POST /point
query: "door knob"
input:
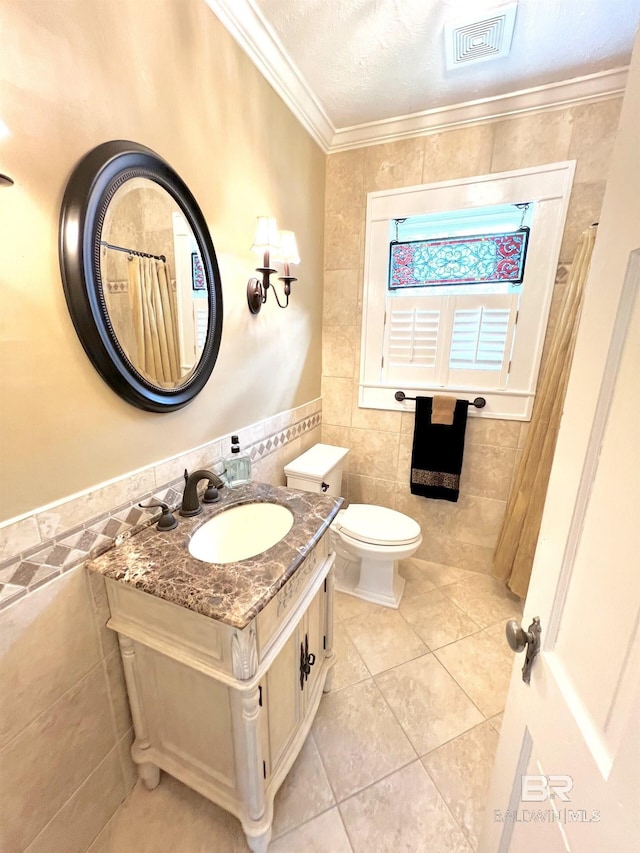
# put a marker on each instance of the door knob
(518, 638)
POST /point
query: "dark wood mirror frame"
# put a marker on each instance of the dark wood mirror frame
(91, 187)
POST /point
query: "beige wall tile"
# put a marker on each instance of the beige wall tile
(97, 586)
(403, 471)
(371, 490)
(73, 512)
(584, 210)
(427, 513)
(18, 536)
(474, 520)
(374, 454)
(459, 153)
(338, 350)
(48, 642)
(118, 694)
(532, 140)
(439, 548)
(336, 395)
(82, 817)
(52, 756)
(393, 164)
(339, 436)
(487, 471)
(592, 138)
(492, 431)
(341, 296)
(378, 420)
(127, 765)
(342, 235)
(345, 179)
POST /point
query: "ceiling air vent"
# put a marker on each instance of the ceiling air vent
(479, 39)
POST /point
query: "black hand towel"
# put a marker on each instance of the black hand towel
(436, 460)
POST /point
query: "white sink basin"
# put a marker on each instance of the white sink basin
(240, 532)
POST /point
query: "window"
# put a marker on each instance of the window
(458, 282)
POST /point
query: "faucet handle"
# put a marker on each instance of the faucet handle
(167, 520)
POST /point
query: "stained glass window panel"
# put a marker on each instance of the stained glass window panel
(459, 260)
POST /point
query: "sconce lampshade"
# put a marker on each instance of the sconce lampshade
(288, 251)
(267, 236)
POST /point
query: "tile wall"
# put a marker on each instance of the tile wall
(463, 534)
(65, 727)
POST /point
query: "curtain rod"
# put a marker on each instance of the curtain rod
(133, 251)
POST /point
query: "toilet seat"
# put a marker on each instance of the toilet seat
(377, 525)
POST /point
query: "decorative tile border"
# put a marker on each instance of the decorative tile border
(26, 572)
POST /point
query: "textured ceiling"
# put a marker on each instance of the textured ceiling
(366, 60)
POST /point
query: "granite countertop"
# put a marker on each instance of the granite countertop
(159, 563)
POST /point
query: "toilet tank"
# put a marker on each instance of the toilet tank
(318, 470)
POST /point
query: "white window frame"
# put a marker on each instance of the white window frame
(549, 187)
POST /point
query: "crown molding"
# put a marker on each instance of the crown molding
(592, 87)
(256, 37)
(248, 27)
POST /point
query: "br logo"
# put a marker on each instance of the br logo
(538, 788)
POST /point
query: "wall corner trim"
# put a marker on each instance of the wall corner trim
(248, 27)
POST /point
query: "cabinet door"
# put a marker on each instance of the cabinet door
(282, 700)
(313, 634)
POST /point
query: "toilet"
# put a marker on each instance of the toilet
(368, 540)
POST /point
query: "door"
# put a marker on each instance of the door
(313, 638)
(566, 776)
(282, 702)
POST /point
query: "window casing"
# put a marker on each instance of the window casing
(459, 340)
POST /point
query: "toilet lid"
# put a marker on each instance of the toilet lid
(377, 525)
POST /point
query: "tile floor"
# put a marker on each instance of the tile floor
(400, 754)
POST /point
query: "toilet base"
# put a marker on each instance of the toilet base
(376, 581)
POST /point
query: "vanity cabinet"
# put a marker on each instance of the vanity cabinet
(224, 709)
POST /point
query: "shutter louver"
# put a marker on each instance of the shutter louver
(481, 339)
(411, 339)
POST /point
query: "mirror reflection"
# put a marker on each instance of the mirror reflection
(153, 283)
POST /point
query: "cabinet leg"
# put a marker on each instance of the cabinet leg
(259, 843)
(150, 775)
(330, 661)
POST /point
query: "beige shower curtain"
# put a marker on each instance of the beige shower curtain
(517, 542)
(154, 313)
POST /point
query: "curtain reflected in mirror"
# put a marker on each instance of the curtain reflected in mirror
(152, 282)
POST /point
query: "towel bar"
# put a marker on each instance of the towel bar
(479, 402)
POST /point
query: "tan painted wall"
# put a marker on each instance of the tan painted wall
(166, 74)
(462, 534)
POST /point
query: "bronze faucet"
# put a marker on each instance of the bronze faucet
(190, 503)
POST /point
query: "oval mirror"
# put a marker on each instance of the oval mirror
(140, 276)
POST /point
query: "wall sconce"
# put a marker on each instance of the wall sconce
(275, 246)
(6, 181)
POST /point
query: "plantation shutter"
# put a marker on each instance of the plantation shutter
(414, 337)
(481, 338)
(462, 341)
